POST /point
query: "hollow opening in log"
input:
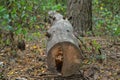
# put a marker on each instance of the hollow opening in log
(64, 57)
(59, 65)
(59, 58)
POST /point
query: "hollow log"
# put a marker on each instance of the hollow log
(63, 52)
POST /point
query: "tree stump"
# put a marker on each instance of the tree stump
(63, 52)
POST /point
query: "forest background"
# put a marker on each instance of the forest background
(26, 21)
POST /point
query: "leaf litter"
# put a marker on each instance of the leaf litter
(30, 64)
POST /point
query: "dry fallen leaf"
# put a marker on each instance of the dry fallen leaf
(86, 61)
(34, 47)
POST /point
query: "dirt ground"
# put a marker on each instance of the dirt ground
(101, 61)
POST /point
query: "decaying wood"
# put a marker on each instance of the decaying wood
(63, 53)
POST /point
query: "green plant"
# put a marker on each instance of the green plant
(106, 17)
(21, 16)
(96, 45)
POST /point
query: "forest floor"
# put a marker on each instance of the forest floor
(30, 64)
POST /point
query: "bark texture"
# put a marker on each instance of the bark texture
(79, 13)
(63, 52)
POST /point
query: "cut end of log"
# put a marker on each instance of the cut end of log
(64, 57)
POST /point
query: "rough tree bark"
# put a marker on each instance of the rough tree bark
(79, 12)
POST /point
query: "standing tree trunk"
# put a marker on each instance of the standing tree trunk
(80, 15)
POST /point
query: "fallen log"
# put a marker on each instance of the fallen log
(63, 52)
